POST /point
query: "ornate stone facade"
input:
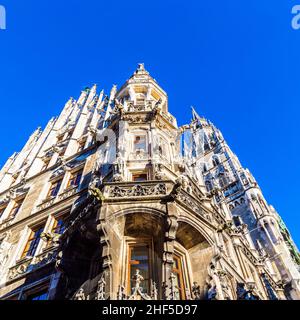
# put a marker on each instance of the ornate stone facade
(103, 204)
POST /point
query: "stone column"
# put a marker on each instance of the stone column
(170, 236)
(106, 257)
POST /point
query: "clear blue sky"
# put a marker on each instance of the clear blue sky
(236, 61)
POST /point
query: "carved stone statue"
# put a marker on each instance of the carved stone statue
(51, 238)
(80, 295)
(101, 289)
(158, 174)
(117, 177)
(176, 191)
(138, 278)
(137, 290)
(119, 168)
(5, 248)
(224, 285)
(158, 106)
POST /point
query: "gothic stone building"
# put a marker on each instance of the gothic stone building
(112, 200)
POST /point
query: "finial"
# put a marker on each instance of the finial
(141, 70)
(195, 114)
(141, 66)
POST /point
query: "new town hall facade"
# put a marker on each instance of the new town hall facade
(112, 200)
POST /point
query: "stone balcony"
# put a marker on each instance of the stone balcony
(155, 190)
(129, 190)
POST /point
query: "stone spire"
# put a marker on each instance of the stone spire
(195, 114)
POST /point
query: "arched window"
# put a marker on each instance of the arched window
(237, 221)
(215, 161)
(271, 233)
(223, 180)
(262, 203)
(208, 185)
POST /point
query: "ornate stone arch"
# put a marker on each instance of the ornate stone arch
(198, 226)
(199, 251)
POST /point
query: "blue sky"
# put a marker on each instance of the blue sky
(236, 61)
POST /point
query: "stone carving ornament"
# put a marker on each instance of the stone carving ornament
(101, 289)
(80, 295)
(158, 173)
(137, 191)
(174, 291)
(137, 291)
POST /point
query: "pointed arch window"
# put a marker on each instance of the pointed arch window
(237, 221)
(215, 161)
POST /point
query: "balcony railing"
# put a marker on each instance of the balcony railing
(137, 189)
(30, 264)
(62, 196)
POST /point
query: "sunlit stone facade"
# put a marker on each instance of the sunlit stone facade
(112, 200)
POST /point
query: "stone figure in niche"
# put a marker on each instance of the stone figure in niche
(224, 286)
(5, 248)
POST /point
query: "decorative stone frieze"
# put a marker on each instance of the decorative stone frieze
(137, 190)
(30, 264)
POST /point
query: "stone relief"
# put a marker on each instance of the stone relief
(137, 190)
